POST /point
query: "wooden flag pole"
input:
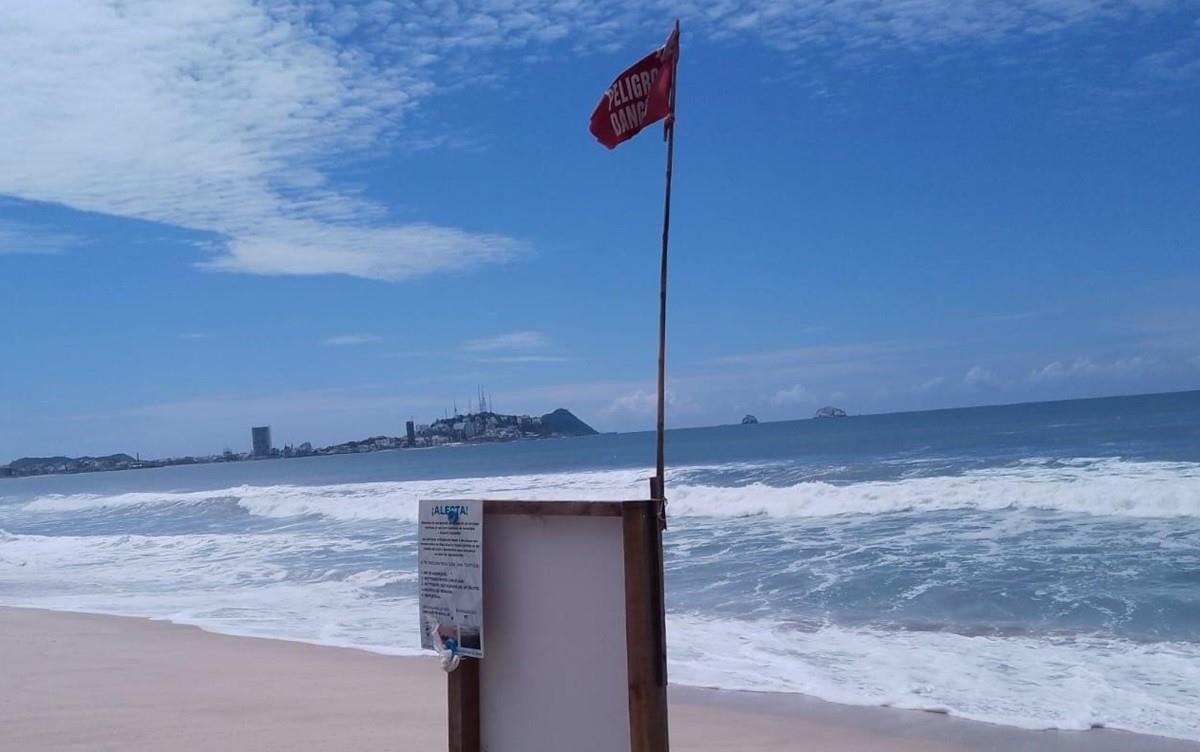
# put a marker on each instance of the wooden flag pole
(658, 482)
(659, 485)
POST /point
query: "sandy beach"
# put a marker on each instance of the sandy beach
(88, 682)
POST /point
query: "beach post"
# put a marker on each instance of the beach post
(570, 659)
(658, 485)
(640, 95)
(643, 94)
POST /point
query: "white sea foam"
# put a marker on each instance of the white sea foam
(1097, 487)
(369, 501)
(260, 585)
(1084, 486)
(146, 562)
(1074, 683)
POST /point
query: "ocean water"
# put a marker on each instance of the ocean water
(1030, 565)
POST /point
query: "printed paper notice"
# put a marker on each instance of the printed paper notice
(450, 575)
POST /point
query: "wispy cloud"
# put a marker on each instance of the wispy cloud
(1005, 318)
(933, 384)
(217, 117)
(349, 340)
(197, 335)
(856, 27)
(642, 403)
(1086, 367)
(819, 354)
(511, 348)
(499, 359)
(526, 340)
(792, 395)
(1178, 64)
(978, 376)
(318, 415)
(223, 116)
(19, 237)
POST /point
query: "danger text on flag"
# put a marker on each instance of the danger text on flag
(639, 96)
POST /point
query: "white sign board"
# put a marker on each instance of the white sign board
(450, 575)
(555, 677)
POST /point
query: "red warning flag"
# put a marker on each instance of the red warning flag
(641, 95)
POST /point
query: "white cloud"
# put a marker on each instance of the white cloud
(908, 23)
(507, 342)
(500, 359)
(1178, 64)
(643, 403)
(18, 237)
(792, 395)
(818, 355)
(349, 340)
(639, 404)
(217, 117)
(1086, 367)
(197, 335)
(511, 348)
(390, 253)
(978, 376)
(1056, 371)
(932, 384)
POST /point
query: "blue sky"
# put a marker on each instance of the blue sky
(329, 217)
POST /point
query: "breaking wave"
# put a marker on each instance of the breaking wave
(1101, 487)
(1070, 682)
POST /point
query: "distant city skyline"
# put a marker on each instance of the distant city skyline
(411, 437)
(332, 218)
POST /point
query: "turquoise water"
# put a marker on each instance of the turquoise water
(1033, 565)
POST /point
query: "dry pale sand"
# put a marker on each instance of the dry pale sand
(85, 682)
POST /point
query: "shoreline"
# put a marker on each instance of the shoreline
(78, 680)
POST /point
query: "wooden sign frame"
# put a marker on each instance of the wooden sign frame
(644, 626)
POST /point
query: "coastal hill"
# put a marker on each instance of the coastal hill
(481, 427)
(562, 422)
(491, 426)
(43, 465)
